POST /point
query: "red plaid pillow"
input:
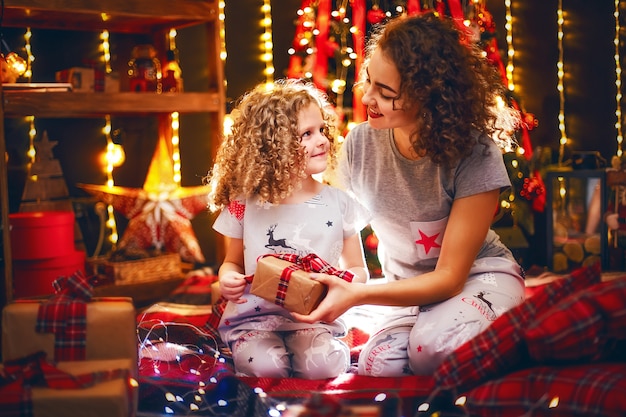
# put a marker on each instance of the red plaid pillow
(585, 325)
(583, 390)
(499, 349)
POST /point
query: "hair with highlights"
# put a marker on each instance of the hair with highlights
(443, 76)
(262, 155)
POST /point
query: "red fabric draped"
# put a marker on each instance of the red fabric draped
(358, 37)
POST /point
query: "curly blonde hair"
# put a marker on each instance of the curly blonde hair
(262, 156)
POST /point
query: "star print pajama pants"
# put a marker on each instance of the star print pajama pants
(415, 340)
(306, 353)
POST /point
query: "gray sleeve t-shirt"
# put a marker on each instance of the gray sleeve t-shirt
(410, 200)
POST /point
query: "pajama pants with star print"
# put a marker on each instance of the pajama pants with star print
(415, 340)
(312, 353)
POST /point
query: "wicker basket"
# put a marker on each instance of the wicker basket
(142, 270)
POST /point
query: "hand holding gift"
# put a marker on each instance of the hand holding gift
(285, 280)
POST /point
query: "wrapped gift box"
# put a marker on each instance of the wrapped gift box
(111, 330)
(301, 295)
(112, 398)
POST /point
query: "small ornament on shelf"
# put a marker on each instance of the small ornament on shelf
(172, 74)
(144, 69)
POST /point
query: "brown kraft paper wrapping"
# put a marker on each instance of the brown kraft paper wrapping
(111, 330)
(303, 293)
(106, 399)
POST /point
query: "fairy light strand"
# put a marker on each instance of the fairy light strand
(113, 153)
(28, 74)
(618, 82)
(267, 45)
(175, 123)
(560, 88)
(110, 158)
(106, 51)
(510, 67)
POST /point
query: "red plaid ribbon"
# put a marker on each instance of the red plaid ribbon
(65, 315)
(308, 263)
(20, 375)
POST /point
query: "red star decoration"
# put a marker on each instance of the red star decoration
(159, 214)
(428, 241)
(419, 349)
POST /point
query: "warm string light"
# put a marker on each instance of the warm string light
(560, 88)
(32, 133)
(509, 42)
(267, 45)
(227, 123)
(175, 123)
(618, 83)
(114, 156)
(106, 50)
(28, 74)
(30, 58)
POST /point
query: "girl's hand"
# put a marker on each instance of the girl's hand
(340, 297)
(232, 286)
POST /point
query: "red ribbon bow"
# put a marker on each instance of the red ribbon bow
(65, 315)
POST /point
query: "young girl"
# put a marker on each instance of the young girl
(263, 183)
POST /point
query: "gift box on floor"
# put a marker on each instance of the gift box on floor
(113, 394)
(285, 283)
(111, 331)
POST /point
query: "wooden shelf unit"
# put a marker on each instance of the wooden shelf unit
(148, 17)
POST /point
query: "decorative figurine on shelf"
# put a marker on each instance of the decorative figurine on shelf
(172, 74)
(144, 69)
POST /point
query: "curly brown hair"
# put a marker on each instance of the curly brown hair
(262, 156)
(446, 78)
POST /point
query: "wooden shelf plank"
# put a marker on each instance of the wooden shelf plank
(113, 15)
(77, 105)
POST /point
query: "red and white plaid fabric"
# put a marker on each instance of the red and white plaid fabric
(500, 348)
(552, 391)
(65, 315)
(586, 325)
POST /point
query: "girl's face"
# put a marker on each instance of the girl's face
(380, 94)
(311, 134)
